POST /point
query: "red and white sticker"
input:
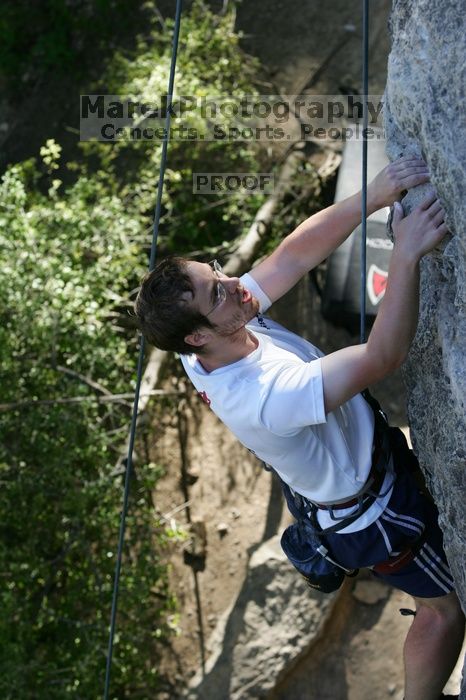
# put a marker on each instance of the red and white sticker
(376, 284)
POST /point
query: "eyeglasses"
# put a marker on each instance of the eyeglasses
(220, 291)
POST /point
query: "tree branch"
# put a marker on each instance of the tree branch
(86, 380)
(108, 398)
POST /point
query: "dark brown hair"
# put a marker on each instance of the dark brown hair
(164, 318)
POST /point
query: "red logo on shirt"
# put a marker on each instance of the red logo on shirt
(204, 397)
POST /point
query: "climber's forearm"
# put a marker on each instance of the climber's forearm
(396, 322)
(348, 371)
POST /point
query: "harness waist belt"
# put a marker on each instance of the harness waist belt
(374, 483)
(380, 459)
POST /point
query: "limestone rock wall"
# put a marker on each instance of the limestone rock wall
(426, 114)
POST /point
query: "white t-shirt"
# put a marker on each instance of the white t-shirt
(272, 400)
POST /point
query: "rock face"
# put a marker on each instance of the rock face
(424, 114)
(275, 618)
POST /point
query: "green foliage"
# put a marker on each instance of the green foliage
(65, 260)
(210, 63)
(58, 35)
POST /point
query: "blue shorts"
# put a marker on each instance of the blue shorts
(408, 514)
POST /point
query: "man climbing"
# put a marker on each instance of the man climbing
(303, 414)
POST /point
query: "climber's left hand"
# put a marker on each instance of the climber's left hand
(388, 186)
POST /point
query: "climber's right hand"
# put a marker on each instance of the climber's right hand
(421, 231)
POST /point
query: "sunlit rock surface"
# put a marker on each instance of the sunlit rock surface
(425, 115)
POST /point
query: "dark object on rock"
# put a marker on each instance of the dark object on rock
(195, 551)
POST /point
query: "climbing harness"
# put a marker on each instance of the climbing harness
(382, 464)
(304, 542)
(158, 208)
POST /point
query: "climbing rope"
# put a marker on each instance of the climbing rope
(365, 90)
(129, 459)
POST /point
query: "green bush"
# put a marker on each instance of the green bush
(65, 260)
(64, 37)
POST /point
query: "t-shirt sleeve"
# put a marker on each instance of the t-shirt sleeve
(257, 291)
(294, 398)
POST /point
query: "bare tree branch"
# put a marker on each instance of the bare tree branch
(107, 398)
(86, 380)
